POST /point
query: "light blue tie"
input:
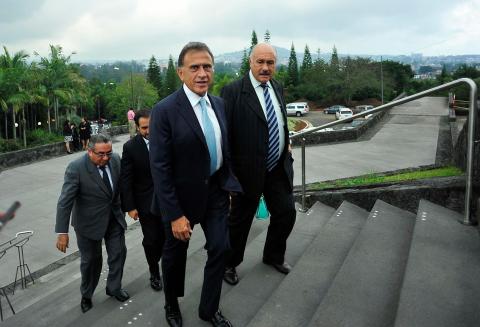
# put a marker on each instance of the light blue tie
(209, 136)
(273, 133)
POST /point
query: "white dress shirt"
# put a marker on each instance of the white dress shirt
(195, 102)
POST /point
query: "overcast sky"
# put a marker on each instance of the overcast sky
(136, 29)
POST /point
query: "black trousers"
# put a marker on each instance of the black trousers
(153, 240)
(214, 225)
(281, 205)
(91, 259)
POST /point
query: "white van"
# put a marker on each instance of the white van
(297, 109)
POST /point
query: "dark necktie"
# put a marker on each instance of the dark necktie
(105, 179)
(273, 133)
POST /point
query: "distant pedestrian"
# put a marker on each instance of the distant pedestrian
(75, 137)
(132, 129)
(85, 132)
(67, 136)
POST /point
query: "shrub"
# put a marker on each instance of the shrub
(9, 145)
(41, 136)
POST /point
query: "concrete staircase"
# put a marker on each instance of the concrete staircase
(386, 267)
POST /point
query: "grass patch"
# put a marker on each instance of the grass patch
(292, 122)
(380, 179)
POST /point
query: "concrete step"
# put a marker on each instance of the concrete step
(146, 306)
(54, 299)
(257, 280)
(441, 287)
(365, 291)
(294, 302)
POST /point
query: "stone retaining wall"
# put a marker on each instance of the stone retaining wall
(445, 191)
(20, 157)
(341, 135)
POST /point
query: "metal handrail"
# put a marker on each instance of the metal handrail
(470, 139)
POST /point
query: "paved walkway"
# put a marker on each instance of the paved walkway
(407, 140)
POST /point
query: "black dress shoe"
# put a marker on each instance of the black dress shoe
(173, 316)
(284, 267)
(156, 283)
(86, 304)
(121, 295)
(218, 320)
(230, 276)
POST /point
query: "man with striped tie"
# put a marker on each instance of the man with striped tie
(261, 159)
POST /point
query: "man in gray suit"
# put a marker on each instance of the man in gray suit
(90, 194)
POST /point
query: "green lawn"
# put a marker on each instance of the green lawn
(379, 178)
(291, 123)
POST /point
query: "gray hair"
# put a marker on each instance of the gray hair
(99, 138)
(193, 46)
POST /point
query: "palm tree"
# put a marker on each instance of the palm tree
(56, 79)
(14, 69)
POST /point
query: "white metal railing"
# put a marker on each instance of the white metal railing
(470, 138)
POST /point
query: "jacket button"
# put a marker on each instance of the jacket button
(206, 181)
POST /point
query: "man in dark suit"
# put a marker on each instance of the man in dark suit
(136, 186)
(192, 179)
(261, 160)
(90, 194)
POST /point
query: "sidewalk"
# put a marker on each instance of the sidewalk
(409, 139)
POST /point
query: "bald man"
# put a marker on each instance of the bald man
(261, 159)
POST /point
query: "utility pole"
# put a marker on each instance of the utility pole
(381, 75)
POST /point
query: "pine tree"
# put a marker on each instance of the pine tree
(171, 78)
(307, 62)
(266, 37)
(254, 41)
(245, 67)
(292, 70)
(334, 62)
(153, 75)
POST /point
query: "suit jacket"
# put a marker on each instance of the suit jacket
(85, 197)
(136, 184)
(180, 161)
(248, 133)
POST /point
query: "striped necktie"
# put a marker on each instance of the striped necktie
(273, 133)
(209, 133)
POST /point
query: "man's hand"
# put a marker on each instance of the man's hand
(181, 228)
(62, 242)
(133, 214)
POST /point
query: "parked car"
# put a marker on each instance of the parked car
(344, 113)
(297, 109)
(362, 108)
(333, 109)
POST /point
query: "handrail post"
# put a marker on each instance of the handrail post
(304, 207)
(472, 117)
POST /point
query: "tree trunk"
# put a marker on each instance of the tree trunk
(24, 123)
(49, 120)
(6, 124)
(13, 125)
(55, 112)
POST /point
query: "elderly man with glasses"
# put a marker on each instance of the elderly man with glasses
(90, 194)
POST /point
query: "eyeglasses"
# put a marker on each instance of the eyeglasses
(103, 154)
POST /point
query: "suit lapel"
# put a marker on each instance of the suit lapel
(252, 99)
(280, 100)
(185, 109)
(221, 121)
(114, 170)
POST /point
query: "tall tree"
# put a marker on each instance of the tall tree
(245, 66)
(292, 70)
(153, 75)
(171, 78)
(334, 61)
(254, 41)
(267, 36)
(307, 62)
